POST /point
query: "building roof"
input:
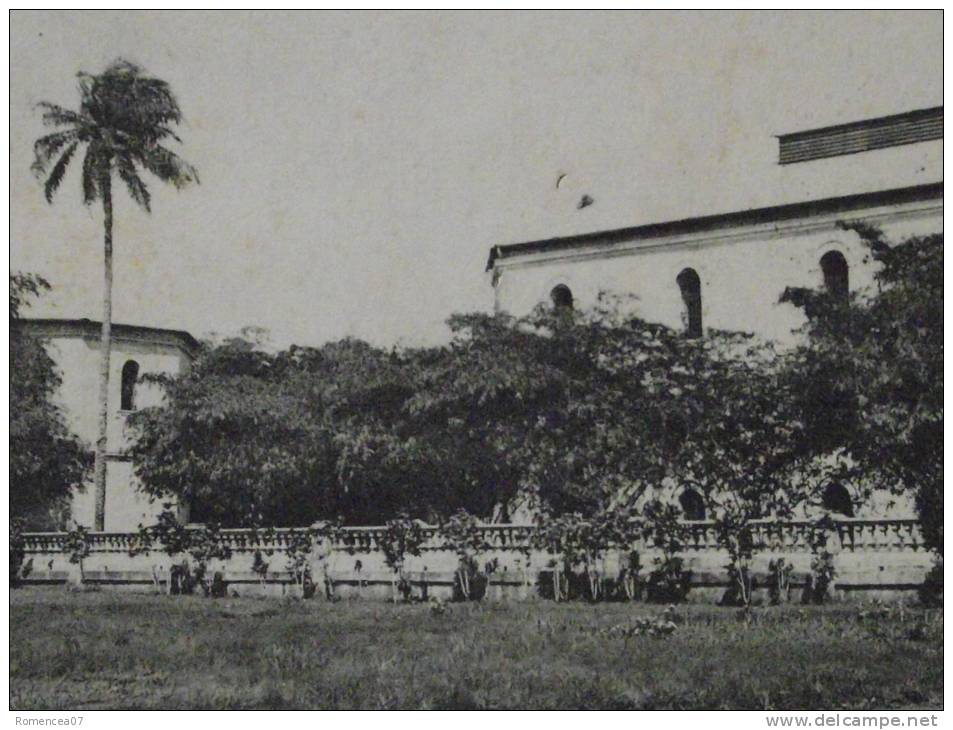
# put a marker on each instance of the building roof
(90, 330)
(702, 224)
(920, 125)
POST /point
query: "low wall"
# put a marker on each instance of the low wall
(872, 559)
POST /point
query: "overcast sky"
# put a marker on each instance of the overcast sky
(356, 168)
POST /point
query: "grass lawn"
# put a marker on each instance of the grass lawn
(101, 650)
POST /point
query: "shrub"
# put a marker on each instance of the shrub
(563, 538)
(734, 533)
(205, 545)
(298, 553)
(462, 534)
(259, 566)
(17, 551)
(76, 546)
(779, 589)
(817, 590)
(669, 581)
(401, 537)
(930, 592)
(629, 578)
(197, 546)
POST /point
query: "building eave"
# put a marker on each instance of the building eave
(88, 329)
(710, 223)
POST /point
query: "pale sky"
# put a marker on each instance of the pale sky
(356, 168)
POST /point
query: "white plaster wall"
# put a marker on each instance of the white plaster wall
(78, 361)
(742, 277)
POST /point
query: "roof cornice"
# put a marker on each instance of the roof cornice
(715, 226)
(88, 329)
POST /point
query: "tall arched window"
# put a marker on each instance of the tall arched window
(691, 288)
(693, 505)
(834, 266)
(837, 499)
(130, 374)
(561, 296)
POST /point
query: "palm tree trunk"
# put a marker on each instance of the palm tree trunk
(105, 344)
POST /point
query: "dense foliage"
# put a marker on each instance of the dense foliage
(870, 376)
(46, 459)
(581, 416)
(583, 413)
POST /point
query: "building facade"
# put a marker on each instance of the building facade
(728, 271)
(136, 351)
(722, 271)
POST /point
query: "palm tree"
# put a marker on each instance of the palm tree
(122, 118)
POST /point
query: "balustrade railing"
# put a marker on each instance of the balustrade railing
(851, 535)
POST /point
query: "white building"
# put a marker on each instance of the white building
(136, 351)
(728, 270)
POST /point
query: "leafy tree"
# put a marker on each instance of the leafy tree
(461, 533)
(46, 460)
(569, 413)
(238, 441)
(123, 117)
(553, 406)
(870, 375)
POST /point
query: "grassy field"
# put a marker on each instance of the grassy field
(108, 650)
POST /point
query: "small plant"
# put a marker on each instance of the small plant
(141, 542)
(462, 534)
(669, 581)
(197, 548)
(630, 577)
(17, 552)
(734, 533)
(930, 592)
(780, 586)
(402, 537)
(549, 536)
(298, 552)
(259, 567)
(587, 542)
(660, 626)
(76, 545)
(822, 575)
(438, 607)
(204, 546)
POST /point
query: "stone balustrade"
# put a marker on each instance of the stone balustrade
(853, 535)
(872, 557)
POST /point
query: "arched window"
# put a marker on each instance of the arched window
(561, 296)
(130, 374)
(837, 499)
(693, 506)
(834, 266)
(691, 288)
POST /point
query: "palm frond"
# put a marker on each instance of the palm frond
(163, 132)
(137, 188)
(122, 98)
(57, 116)
(167, 166)
(56, 174)
(45, 148)
(123, 116)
